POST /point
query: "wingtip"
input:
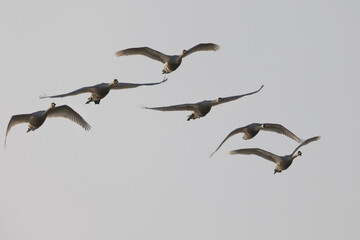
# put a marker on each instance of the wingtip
(118, 53)
(5, 141)
(43, 96)
(316, 138)
(165, 79)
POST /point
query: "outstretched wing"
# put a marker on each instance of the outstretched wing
(236, 131)
(202, 47)
(256, 151)
(307, 141)
(16, 119)
(181, 107)
(134, 85)
(228, 99)
(281, 130)
(67, 112)
(76, 92)
(146, 51)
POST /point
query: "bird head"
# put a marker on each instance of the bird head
(52, 105)
(219, 100)
(299, 153)
(183, 53)
(115, 81)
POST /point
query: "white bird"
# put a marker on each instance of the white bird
(200, 109)
(281, 162)
(99, 91)
(36, 119)
(171, 62)
(253, 129)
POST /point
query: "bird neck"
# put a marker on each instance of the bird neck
(48, 110)
(178, 60)
(180, 57)
(294, 156)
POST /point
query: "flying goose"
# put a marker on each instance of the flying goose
(171, 62)
(36, 119)
(281, 162)
(99, 91)
(253, 129)
(200, 109)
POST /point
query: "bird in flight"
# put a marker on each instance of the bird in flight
(200, 109)
(99, 91)
(281, 162)
(171, 62)
(253, 129)
(36, 119)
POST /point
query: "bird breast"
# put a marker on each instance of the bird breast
(285, 163)
(36, 121)
(250, 133)
(171, 66)
(100, 93)
(203, 109)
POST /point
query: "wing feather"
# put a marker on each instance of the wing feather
(180, 107)
(307, 141)
(16, 119)
(202, 47)
(145, 51)
(281, 130)
(134, 85)
(256, 151)
(67, 112)
(236, 131)
(76, 92)
(232, 98)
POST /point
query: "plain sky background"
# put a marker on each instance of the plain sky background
(142, 174)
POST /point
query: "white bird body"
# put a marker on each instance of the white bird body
(253, 129)
(281, 162)
(36, 119)
(99, 91)
(200, 109)
(171, 62)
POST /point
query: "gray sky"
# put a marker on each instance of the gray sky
(142, 174)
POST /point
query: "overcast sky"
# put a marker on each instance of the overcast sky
(143, 174)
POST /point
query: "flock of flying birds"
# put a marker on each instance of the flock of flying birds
(199, 109)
